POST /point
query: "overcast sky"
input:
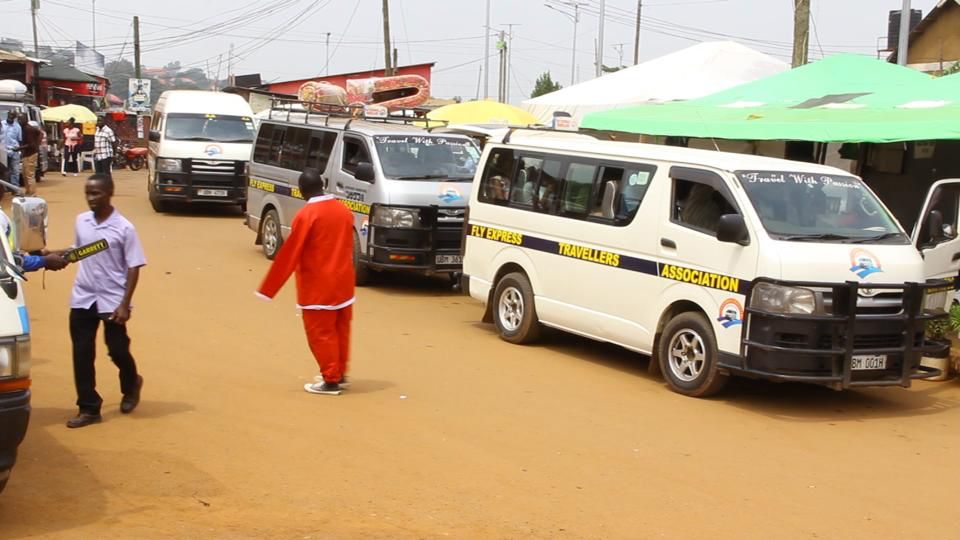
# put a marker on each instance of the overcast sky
(287, 38)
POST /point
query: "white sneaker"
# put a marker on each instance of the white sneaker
(323, 388)
(344, 382)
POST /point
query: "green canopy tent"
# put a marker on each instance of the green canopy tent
(827, 101)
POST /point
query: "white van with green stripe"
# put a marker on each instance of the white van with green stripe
(715, 264)
(407, 188)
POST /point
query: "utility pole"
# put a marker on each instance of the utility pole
(502, 46)
(34, 7)
(136, 46)
(573, 49)
(801, 31)
(509, 57)
(903, 43)
(636, 36)
(619, 48)
(94, 12)
(486, 55)
(386, 38)
(603, 15)
(326, 68)
(230, 67)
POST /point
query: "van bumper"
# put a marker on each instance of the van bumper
(431, 248)
(14, 417)
(836, 349)
(197, 188)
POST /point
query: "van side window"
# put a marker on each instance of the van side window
(354, 153)
(294, 154)
(577, 187)
(261, 151)
(548, 190)
(699, 206)
(526, 180)
(495, 183)
(321, 146)
(627, 184)
(276, 146)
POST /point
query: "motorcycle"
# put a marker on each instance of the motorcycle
(131, 156)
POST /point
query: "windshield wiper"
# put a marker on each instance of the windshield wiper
(884, 236)
(236, 140)
(192, 139)
(823, 236)
(422, 177)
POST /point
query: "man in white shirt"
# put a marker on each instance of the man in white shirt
(103, 143)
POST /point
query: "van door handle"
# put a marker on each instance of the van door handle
(340, 185)
(956, 256)
(667, 243)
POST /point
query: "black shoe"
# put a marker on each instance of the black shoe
(130, 401)
(83, 419)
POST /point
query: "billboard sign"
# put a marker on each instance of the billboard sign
(139, 92)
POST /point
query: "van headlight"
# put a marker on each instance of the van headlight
(781, 299)
(385, 216)
(15, 358)
(168, 165)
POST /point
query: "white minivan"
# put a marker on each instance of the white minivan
(713, 263)
(199, 149)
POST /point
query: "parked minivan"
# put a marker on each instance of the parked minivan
(199, 148)
(407, 188)
(715, 264)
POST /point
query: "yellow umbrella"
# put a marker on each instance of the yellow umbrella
(483, 112)
(79, 113)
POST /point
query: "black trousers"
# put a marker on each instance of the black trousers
(83, 332)
(104, 166)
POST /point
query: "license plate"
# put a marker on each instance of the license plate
(863, 362)
(212, 192)
(449, 259)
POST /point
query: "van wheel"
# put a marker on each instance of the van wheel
(514, 311)
(270, 236)
(688, 356)
(360, 268)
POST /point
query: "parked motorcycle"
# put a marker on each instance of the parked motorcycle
(134, 157)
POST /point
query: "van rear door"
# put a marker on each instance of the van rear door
(935, 234)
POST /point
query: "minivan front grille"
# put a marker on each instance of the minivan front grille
(203, 166)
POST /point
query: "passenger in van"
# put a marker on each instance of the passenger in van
(320, 251)
(499, 188)
(700, 208)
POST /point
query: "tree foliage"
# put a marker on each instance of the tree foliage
(544, 85)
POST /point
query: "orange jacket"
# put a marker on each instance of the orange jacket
(320, 250)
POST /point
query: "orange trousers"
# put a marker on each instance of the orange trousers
(328, 333)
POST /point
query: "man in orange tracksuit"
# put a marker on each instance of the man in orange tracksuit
(320, 250)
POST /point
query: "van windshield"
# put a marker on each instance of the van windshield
(425, 157)
(210, 127)
(819, 207)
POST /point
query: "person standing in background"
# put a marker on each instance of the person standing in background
(11, 136)
(103, 144)
(29, 153)
(71, 148)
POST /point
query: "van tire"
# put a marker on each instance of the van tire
(514, 310)
(271, 236)
(688, 356)
(360, 268)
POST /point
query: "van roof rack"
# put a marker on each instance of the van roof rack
(326, 111)
(17, 96)
(547, 129)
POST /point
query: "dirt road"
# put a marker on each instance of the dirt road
(447, 431)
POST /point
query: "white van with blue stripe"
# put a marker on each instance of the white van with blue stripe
(715, 264)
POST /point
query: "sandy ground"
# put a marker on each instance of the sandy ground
(447, 432)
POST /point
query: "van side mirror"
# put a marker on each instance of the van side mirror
(365, 172)
(733, 229)
(154, 135)
(935, 226)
